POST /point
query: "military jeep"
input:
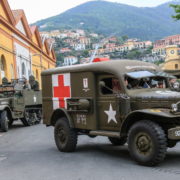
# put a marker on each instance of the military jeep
(125, 100)
(18, 102)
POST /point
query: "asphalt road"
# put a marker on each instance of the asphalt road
(29, 153)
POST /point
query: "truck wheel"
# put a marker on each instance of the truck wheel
(147, 143)
(65, 137)
(10, 122)
(4, 121)
(117, 141)
(39, 116)
(26, 120)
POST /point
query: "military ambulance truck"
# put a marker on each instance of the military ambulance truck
(124, 100)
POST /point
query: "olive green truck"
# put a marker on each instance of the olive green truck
(127, 101)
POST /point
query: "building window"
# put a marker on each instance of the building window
(29, 73)
(23, 69)
(176, 66)
(18, 72)
(3, 66)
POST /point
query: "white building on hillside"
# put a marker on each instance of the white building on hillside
(70, 60)
(79, 47)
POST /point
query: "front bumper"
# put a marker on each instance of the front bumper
(174, 133)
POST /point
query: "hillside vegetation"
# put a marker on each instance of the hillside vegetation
(118, 19)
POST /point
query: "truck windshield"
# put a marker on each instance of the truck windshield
(140, 74)
(146, 79)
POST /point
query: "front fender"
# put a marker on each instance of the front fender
(157, 112)
(3, 107)
(60, 112)
(7, 108)
(157, 115)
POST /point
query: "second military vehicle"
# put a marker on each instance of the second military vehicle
(127, 101)
(18, 101)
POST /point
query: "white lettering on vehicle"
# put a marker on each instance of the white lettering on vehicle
(177, 133)
(81, 119)
(85, 85)
(35, 99)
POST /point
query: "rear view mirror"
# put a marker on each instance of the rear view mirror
(102, 84)
(176, 85)
(18, 93)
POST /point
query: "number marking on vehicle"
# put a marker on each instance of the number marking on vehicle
(81, 119)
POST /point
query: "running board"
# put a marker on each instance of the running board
(105, 133)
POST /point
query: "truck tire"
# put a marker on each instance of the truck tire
(65, 137)
(10, 122)
(39, 117)
(4, 121)
(26, 120)
(147, 143)
(117, 141)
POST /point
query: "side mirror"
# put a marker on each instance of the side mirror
(176, 85)
(102, 84)
(18, 93)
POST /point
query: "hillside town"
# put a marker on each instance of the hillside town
(69, 42)
(77, 47)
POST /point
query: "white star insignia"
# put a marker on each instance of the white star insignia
(111, 114)
(35, 99)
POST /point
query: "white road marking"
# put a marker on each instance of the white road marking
(2, 157)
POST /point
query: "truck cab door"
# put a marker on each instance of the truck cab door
(108, 103)
(18, 102)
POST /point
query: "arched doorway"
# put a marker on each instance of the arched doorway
(176, 66)
(3, 67)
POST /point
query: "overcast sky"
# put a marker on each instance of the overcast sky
(40, 9)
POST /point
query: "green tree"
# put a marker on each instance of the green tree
(134, 54)
(60, 59)
(177, 11)
(159, 62)
(85, 53)
(119, 40)
(125, 37)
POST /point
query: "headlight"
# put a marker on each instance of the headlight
(3, 102)
(176, 85)
(174, 107)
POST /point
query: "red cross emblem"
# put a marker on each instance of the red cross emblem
(61, 89)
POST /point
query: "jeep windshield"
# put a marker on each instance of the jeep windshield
(146, 79)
